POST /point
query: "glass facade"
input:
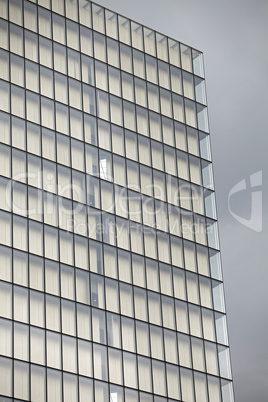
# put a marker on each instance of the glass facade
(110, 276)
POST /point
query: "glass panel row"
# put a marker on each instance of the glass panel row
(96, 73)
(113, 330)
(87, 222)
(164, 381)
(70, 183)
(67, 353)
(187, 286)
(50, 25)
(170, 281)
(119, 263)
(81, 126)
(40, 109)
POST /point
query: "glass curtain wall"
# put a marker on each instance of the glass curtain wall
(110, 276)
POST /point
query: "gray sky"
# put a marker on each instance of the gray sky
(233, 36)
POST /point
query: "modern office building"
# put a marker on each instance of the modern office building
(110, 279)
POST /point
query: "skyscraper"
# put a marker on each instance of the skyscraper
(110, 276)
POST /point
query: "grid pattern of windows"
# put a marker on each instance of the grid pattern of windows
(110, 277)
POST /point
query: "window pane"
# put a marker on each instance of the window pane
(38, 383)
(130, 370)
(54, 385)
(21, 380)
(100, 362)
(111, 24)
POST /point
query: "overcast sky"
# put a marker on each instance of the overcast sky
(233, 36)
